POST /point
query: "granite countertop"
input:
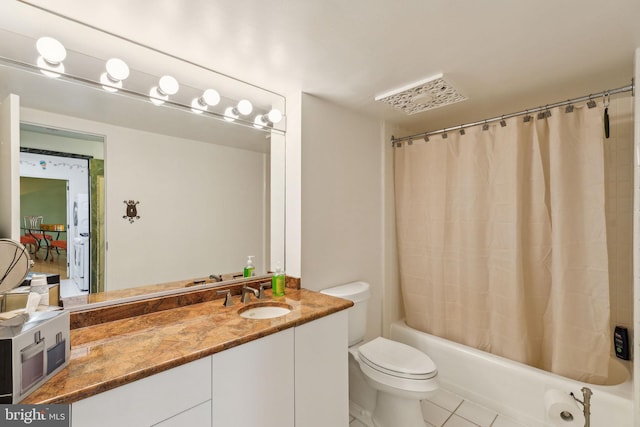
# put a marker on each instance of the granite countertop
(110, 354)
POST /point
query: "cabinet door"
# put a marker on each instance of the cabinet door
(321, 372)
(148, 401)
(253, 383)
(199, 416)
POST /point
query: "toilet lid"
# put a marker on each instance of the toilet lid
(397, 359)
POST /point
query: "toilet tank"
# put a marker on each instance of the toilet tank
(359, 293)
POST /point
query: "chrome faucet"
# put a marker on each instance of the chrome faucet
(228, 302)
(263, 286)
(216, 277)
(246, 296)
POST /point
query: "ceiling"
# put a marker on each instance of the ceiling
(503, 55)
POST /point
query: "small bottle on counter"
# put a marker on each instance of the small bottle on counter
(40, 286)
(277, 282)
(249, 269)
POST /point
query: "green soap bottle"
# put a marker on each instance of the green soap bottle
(249, 269)
(277, 282)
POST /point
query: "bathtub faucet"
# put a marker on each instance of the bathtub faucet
(586, 404)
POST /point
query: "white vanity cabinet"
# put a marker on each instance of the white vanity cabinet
(253, 383)
(294, 378)
(297, 377)
(321, 372)
(174, 394)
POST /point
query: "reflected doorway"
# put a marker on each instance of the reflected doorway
(56, 154)
(46, 198)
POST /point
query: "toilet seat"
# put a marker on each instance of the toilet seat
(397, 359)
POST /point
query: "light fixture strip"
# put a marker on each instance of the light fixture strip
(127, 91)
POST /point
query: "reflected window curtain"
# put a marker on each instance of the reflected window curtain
(502, 240)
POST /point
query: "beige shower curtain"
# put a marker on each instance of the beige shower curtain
(502, 240)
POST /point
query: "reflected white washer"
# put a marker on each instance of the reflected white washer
(80, 266)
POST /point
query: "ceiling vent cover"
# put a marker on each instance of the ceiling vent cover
(427, 94)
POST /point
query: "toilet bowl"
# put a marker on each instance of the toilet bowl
(402, 377)
(387, 379)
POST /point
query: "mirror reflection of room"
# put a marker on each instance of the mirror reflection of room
(183, 168)
(60, 205)
(43, 209)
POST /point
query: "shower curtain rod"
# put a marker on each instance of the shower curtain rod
(606, 93)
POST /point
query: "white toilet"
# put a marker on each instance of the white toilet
(387, 379)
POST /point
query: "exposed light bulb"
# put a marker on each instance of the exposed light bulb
(274, 116)
(259, 122)
(52, 53)
(244, 107)
(51, 50)
(269, 119)
(229, 114)
(108, 84)
(49, 70)
(209, 98)
(117, 71)
(156, 97)
(166, 86)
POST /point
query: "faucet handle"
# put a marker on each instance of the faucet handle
(246, 296)
(228, 302)
(263, 286)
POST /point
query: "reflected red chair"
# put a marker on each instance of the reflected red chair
(32, 225)
(57, 245)
(30, 241)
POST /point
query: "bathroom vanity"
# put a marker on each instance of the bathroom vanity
(203, 364)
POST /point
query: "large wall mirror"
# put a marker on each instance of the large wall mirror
(208, 193)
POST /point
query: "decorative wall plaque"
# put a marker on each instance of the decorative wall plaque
(131, 211)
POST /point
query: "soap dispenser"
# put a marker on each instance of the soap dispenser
(277, 282)
(249, 269)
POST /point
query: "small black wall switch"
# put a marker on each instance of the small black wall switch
(621, 342)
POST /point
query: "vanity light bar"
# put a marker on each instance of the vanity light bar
(50, 63)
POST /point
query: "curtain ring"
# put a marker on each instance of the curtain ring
(606, 99)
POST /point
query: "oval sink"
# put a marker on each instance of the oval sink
(264, 311)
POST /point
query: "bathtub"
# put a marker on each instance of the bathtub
(514, 389)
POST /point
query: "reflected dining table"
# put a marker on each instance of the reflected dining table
(39, 234)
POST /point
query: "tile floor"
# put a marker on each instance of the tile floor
(68, 288)
(56, 264)
(447, 409)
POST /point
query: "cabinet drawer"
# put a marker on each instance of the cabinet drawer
(148, 401)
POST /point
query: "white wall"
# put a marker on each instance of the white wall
(193, 222)
(636, 244)
(618, 172)
(342, 201)
(52, 142)
(293, 188)
(9, 167)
